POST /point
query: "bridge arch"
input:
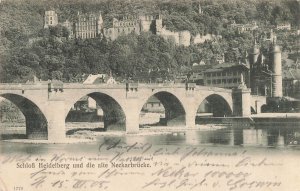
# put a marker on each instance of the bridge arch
(114, 117)
(215, 104)
(36, 122)
(173, 105)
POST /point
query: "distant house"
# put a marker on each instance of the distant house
(153, 105)
(226, 75)
(95, 79)
(283, 26)
(244, 27)
(99, 79)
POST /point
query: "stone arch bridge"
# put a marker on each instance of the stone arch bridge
(46, 106)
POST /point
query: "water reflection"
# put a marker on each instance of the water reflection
(251, 136)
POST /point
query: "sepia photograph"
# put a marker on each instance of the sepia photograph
(148, 95)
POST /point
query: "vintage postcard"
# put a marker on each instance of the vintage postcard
(146, 95)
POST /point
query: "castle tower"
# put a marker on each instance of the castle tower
(253, 58)
(276, 70)
(51, 19)
(99, 24)
(158, 25)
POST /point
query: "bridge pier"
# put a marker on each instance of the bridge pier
(132, 116)
(190, 115)
(56, 120)
(241, 101)
(190, 120)
(258, 105)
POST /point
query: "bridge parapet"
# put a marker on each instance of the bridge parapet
(93, 86)
(10, 86)
(215, 89)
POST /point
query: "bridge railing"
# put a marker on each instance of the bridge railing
(18, 86)
(44, 85)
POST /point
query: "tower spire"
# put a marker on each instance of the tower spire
(199, 8)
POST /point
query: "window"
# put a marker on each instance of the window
(230, 81)
(234, 80)
(208, 82)
(213, 74)
(219, 74)
(224, 81)
(214, 81)
(223, 73)
(219, 81)
(51, 18)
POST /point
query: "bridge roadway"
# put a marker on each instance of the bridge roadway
(46, 105)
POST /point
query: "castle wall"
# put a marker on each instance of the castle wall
(184, 38)
(199, 39)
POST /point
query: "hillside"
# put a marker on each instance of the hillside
(49, 57)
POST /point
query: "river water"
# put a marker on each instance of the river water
(234, 157)
(229, 136)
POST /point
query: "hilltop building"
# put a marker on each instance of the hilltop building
(284, 26)
(51, 19)
(88, 26)
(244, 27)
(85, 25)
(128, 24)
(69, 26)
(145, 23)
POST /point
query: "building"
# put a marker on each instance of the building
(137, 24)
(266, 71)
(123, 27)
(99, 79)
(153, 105)
(145, 23)
(85, 25)
(88, 26)
(244, 27)
(226, 75)
(291, 83)
(284, 26)
(179, 38)
(199, 39)
(69, 26)
(51, 19)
